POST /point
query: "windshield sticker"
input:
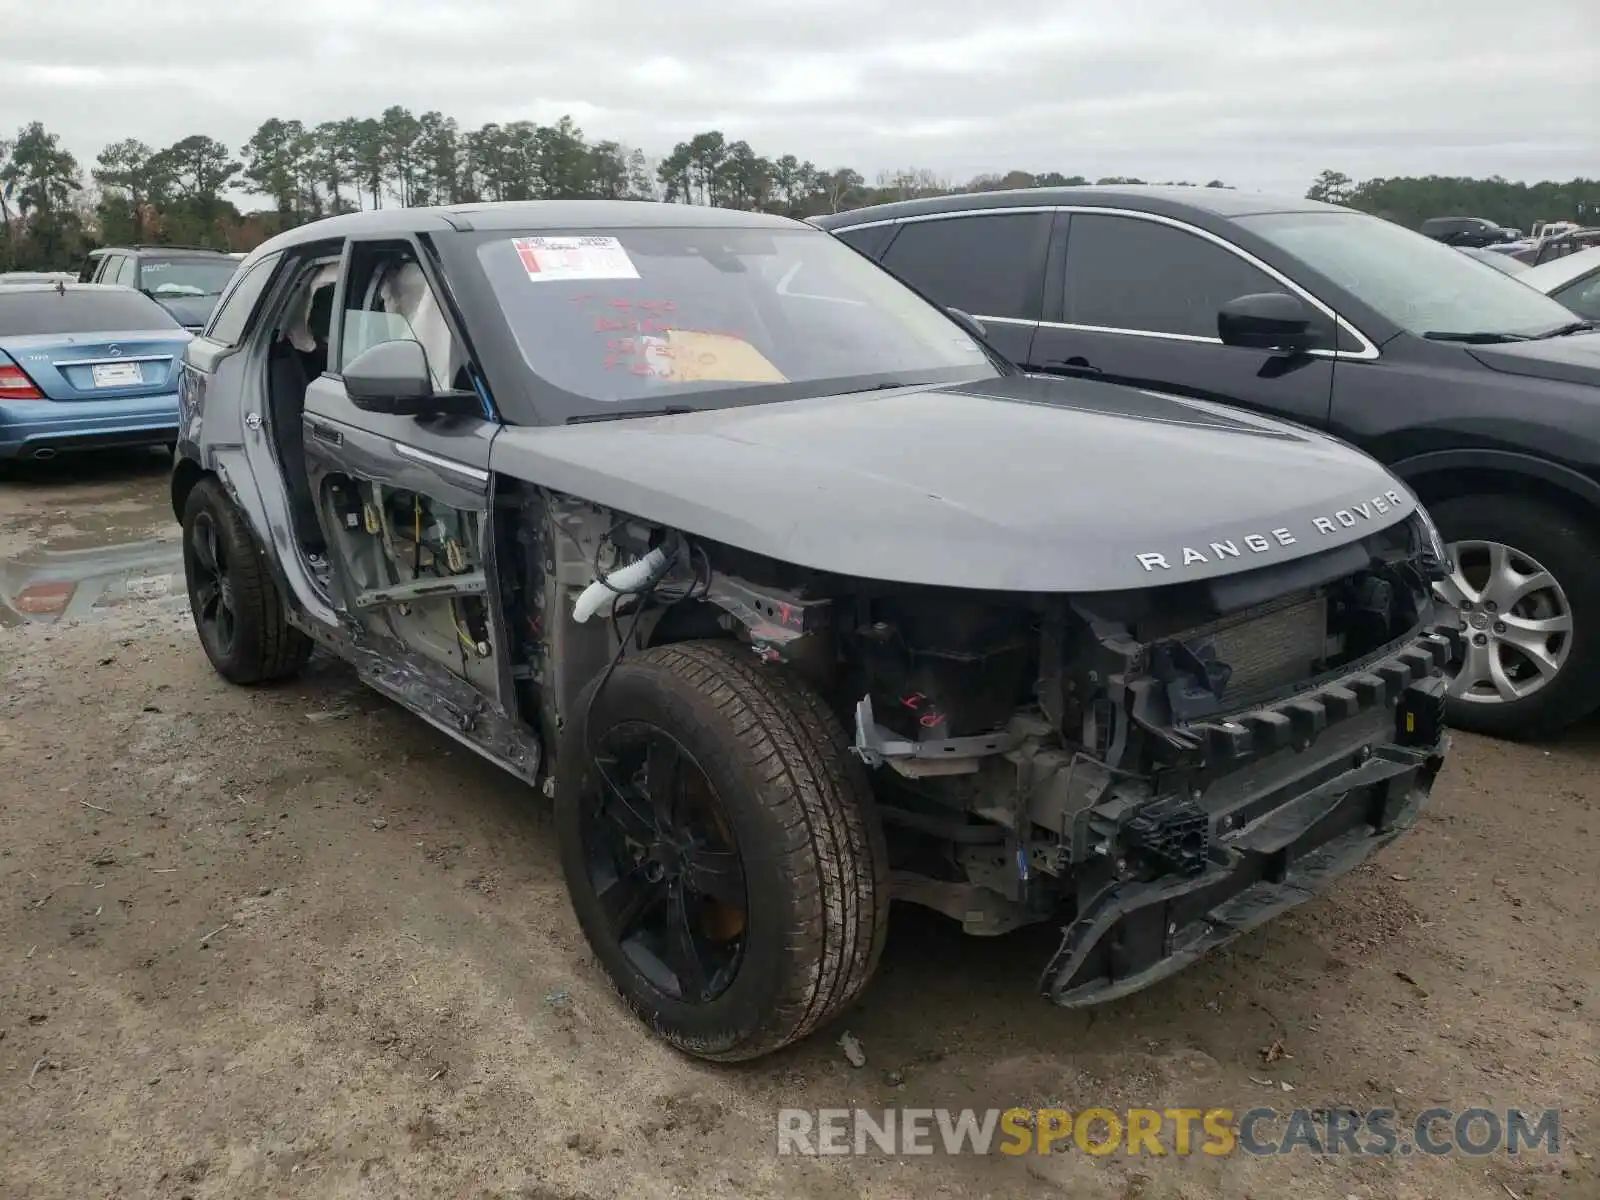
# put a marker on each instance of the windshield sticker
(691, 356)
(562, 259)
(717, 358)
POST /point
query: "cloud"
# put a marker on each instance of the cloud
(1255, 92)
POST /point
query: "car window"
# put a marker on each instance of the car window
(868, 239)
(228, 322)
(1421, 285)
(646, 318)
(127, 272)
(388, 298)
(1582, 296)
(988, 266)
(106, 271)
(80, 310)
(1134, 274)
(173, 277)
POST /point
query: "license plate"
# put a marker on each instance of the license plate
(108, 375)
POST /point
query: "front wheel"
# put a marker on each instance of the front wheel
(1527, 586)
(238, 610)
(721, 849)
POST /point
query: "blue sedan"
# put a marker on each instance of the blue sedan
(84, 366)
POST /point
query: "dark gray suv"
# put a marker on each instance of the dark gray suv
(1465, 231)
(797, 599)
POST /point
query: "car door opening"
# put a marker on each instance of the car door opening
(298, 354)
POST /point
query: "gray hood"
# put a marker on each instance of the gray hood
(1019, 484)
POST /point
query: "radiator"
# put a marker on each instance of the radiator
(1270, 647)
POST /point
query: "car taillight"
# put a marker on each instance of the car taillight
(15, 385)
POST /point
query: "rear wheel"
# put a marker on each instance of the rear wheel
(238, 610)
(721, 850)
(1527, 585)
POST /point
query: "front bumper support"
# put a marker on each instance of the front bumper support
(1136, 932)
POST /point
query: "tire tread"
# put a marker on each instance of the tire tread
(279, 650)
(832, 845)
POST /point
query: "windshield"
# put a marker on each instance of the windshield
(1421, 285)
(647, 319)
(186, 276)
(102, 310)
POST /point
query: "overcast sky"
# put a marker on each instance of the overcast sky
(1260, 93)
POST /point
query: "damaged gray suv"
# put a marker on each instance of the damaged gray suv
(797, 599)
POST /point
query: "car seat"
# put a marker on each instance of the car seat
(404, 290)
(299, 355)
(319, 321)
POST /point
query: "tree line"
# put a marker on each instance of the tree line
(52, 210)
(1410, 200)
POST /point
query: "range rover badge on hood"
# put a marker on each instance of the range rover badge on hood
(1239, 546)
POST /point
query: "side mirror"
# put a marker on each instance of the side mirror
(392, 377)
(1266, 321)
(969, 322)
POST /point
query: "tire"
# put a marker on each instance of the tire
(801, 818)
(1568, 548)
(257, 644)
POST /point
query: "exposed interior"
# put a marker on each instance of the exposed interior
(409, 563)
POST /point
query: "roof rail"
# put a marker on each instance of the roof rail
(167, 246)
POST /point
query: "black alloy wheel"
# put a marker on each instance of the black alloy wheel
(210, 586)
(238, 610)
(721, 847)
(663, 865)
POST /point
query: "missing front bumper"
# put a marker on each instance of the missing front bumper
(1135, 933)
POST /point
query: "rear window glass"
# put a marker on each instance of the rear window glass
(186, 276)
(644, 317)
(23, 313)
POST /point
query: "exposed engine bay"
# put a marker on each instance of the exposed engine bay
(1035, 758)
(1157, 769)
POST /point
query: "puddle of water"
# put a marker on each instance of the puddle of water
(85, 535)
(45, 584)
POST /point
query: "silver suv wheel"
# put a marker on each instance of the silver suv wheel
(1515, 620)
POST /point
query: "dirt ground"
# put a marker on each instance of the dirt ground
(293, 942)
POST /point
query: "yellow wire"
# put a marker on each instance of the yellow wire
(416, 509)
(461, 633)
